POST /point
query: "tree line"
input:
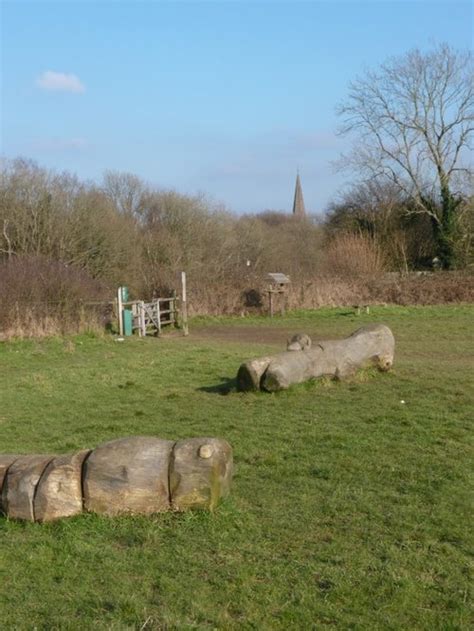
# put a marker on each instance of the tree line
(410, 205)
(123, 231)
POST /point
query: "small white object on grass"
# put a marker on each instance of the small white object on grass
(402, 401)
(119, 339)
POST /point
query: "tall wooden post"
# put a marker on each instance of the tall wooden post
(184, 305)
(142, 318)
(158, 315)
(120, 311)
(174, 306)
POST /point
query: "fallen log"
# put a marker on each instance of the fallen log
(370, 345)
(134, 475)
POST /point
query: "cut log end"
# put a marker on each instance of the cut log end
(249, 375)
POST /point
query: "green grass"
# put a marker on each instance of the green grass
(349, 509)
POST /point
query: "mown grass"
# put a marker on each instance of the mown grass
(349, 509)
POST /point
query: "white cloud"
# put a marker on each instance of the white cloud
(60, 82)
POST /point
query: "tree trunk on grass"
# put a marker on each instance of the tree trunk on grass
(134, 475)
(370, 345)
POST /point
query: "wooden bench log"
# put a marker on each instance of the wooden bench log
(134, 475)
(370, 345)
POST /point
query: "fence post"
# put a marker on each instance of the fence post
(184, 305)
(142, 318)
(120, 309)
(174, 306)
(158, 315)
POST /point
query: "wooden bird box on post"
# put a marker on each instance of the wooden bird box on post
(278, 285)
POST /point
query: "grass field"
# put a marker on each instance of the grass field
(349, 509)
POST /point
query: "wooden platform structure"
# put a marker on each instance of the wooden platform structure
(278, 285)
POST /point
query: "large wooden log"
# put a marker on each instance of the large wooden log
(370, 345)
(59, 490)
(129, 475)
(139, 474)
(200, 473)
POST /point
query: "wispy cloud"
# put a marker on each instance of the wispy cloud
(60, 82)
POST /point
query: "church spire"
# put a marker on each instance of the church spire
(298, 203)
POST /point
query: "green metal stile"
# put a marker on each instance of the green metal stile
(127, 321)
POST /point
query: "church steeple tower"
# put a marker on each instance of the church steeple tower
(298, 203)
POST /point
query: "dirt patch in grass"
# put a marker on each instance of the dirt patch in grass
(247, 334)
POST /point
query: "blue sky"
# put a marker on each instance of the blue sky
(226, 98)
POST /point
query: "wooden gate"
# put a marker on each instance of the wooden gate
(150, 317)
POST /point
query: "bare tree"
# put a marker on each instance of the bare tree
(414, 118)
(125, 190)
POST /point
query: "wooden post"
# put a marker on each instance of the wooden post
(142, 318)
(270, 296)
(184, 305)
(120, 309)
(174, 304)
(158, 315)
(135, 317)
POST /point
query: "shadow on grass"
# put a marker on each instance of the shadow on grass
(228, 385)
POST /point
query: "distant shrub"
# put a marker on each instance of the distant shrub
(39, 297)
(351, 255)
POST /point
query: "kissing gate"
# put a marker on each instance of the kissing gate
(151, 317)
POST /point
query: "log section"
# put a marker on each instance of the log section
(370, 345)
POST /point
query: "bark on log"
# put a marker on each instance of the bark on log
(59, 491)
(200, 473)
(129, 475)
(369, 345)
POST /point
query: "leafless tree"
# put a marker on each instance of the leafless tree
(414, 121)
(125, 190)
